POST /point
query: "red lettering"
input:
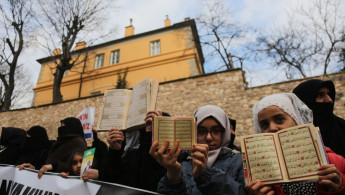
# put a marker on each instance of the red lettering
(86, 126)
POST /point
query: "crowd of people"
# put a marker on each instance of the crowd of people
(213, 166)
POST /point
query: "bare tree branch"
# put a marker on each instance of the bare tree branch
(310, 39)
(218, 31)
(67, 20)
(15, 17)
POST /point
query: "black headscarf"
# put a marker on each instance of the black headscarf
(71, 126)
(13, 139)
(39, 135)
(12, 136)
(233, 123)
(36, 147)
(332, 127)
(233, 136)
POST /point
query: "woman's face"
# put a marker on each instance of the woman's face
(273, 119)
(210, 132)
(76, 164)
(324, 96)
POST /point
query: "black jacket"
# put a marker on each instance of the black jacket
(12, 139)
(100, 152)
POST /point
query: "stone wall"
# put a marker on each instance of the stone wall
(179, 98)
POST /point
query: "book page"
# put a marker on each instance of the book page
(185, 132)
(262, 161)
(175, 128)
(153, 95)
(114, 109)
(321, 147)
(138, 107)
(300, 154)
(163, 129)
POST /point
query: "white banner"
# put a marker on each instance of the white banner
(25, 182)
(87, 119)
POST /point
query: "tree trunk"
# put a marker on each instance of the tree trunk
(8, 99)
(57, 97)
(9, 87)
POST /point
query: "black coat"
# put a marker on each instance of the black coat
(36, 147)
(135, 168)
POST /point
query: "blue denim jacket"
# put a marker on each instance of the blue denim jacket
(224, 177)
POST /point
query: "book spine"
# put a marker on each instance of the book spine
(174, 131)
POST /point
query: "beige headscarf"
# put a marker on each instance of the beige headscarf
(219, 114)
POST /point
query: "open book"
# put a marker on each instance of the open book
(289, 155)
(175, 128)
(126, 109)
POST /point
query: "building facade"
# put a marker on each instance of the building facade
(164, 54)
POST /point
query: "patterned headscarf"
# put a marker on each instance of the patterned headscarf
(289, 103)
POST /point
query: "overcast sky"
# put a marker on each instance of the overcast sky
(149, 15)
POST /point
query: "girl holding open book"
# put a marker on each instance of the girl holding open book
(280, 111)
(213, 169)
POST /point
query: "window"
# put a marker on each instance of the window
(155, 47)
(115, 57)
(65, 73)
(99, 61)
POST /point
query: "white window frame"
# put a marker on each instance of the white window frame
(155, 47)
(114, 57)
(99, 60)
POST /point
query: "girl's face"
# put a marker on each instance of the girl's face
(76, 164)
(273, 119)
(210, 132)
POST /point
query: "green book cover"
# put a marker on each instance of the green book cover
(87, 160)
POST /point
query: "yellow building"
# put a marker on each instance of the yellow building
(164, 54)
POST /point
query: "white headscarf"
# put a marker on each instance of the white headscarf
(219, 114)
(289, 103)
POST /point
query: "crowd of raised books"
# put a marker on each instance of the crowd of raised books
(298, 148)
